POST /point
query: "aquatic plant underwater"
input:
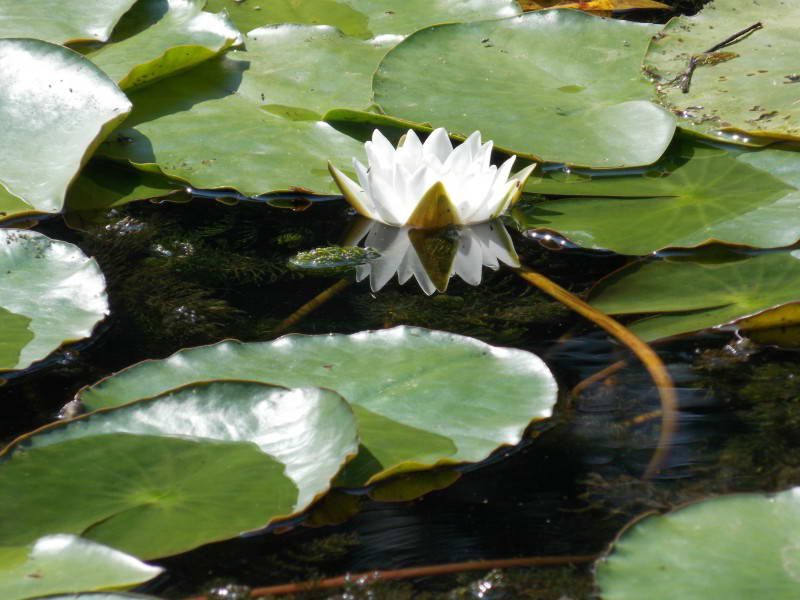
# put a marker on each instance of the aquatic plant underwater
(219, 376)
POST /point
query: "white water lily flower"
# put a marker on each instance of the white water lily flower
(431, 184)
(462, 251)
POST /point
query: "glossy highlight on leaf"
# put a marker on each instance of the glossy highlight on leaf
(61, 21)
(55, 109)
(50, 293)
(463, 398)
(311, 431)
(67, 563)
(180, 35)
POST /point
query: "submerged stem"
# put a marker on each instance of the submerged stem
(310, 306)
(651, 361)
(374, 576)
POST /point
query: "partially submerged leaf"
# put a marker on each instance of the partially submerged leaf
(696, 195)
(749, 86)
(50, 293)
(695, 296)
(594, 6)
(55, 109)
(526, 93)
(181, 35)
(61, 563)
(61, 21)
(431, 397)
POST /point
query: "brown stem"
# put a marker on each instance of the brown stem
(310, 307)
(651, 361)
(594, 378)
(373, 576)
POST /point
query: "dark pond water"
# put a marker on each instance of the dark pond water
(189, 274)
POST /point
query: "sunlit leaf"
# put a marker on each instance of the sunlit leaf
(50, 293)
(179, 36)
(363, 18)
(61, 21)
(527, 85)
(250, 119)
(733, 547)
(310, 431)
(55, 108)
(431, 397)
(749, 86)
(61, 563)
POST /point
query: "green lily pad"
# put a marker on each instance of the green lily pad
(734, 547)
(695, 296)
(143, 494)
(513, 80)
(55, 108)
(61, 21)
(749, 86)
(364, 18)
(261, 107)
(50, 294)
(61, 563)
(698, 194)
(310, 431)
(420, 397)
(180, 35)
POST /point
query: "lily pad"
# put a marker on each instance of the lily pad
(698, 194)
(55, 108)
(310, 431)
(586, 106)
(695, 296)
(261, 107)
(734, 547)
(180, 36)
(421, 397)
(61, 563)
(50, 294)
(749, 86)
(145, 495)
(61, 21)
(364, 18)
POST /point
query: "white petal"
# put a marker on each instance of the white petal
(410, 153)
(361, 172)
(363, 203)
(484, 157)
(459, 161)
(438, 145)
(468, 262)
(473, 144)
(383, 199)
(392, 243)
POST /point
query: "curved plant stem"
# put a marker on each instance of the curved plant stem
(651, 361)
(373, 576)
(595, 377)
(310, 306)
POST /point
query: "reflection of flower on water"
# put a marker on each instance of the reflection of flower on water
(432, 256)
(431, 184)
